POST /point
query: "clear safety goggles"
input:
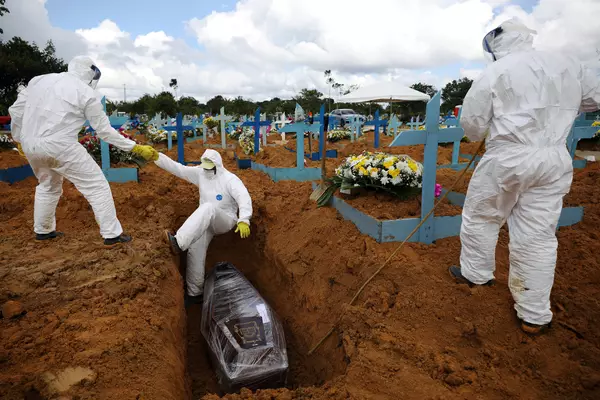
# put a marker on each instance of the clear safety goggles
(96, 78)
(487, 39)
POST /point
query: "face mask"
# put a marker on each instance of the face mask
(97, 74)
(210, 172)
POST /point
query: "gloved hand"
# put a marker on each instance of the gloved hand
(148, 153)
(244, 230)
(20, 150)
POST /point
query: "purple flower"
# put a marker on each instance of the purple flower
(438, 190)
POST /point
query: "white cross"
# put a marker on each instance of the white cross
(223, 118)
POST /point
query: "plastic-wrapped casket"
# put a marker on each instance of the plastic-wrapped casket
(245, 338)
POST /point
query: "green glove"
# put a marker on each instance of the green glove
(244, 230)
(148, 153)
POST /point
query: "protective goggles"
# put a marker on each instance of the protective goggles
(487, 39)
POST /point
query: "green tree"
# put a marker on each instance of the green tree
(309, 100)
(188, 106)
(165, 104)
(215, 104)
(240, 106)
(3, 10)
(21, 61)
(454, 93)
(412, 108)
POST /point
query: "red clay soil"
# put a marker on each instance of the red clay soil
(11, 159)
(413, 333)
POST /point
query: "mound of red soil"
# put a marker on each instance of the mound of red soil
(413, 333)
(11, 159)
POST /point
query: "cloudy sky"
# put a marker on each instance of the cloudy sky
(264, 48)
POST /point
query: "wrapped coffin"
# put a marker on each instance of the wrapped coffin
(245, 338)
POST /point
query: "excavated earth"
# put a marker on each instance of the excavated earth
(81, 321)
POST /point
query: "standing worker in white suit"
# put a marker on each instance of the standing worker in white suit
(46, 119)
(527, 100)
(224, 203)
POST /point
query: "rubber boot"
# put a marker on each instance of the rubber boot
(122, 238)
(47, 236)
(172, 242)
(458, 276)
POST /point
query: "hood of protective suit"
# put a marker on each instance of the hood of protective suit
(85, 69)
(216, 159)
(511, 36)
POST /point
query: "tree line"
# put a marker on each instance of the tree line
(20, 61)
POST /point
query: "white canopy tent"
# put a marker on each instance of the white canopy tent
(384, 92)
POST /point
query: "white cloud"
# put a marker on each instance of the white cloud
(265, 48)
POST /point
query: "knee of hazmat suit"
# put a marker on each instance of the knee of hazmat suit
(524, 104)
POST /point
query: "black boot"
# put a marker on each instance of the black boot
(191, 300)
(47, 236)
(533, 329)
(122, 238)
(457, 274)
(172, 242)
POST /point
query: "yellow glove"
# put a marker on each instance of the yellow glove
(244, 230)
(20, 150)
(148, 153)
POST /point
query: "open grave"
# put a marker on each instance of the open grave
(106, 324)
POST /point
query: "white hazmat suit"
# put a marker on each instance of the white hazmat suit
(46, 119)
(527, 100)
(222, 194)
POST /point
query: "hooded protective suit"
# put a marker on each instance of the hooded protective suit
(527, 100)
(221, 195)
(47, 117)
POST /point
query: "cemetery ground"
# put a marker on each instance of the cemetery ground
(100, 323)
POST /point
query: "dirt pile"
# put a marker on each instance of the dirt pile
(11, 159)
(413, 334)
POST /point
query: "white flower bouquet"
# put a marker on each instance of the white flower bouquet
(246, 141)
(398, 175)
(6, 142)
(338, 134)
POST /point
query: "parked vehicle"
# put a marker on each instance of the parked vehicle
(346, 115)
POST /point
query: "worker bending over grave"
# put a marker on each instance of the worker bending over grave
(527, 100)
(222, 194)
(46, 119)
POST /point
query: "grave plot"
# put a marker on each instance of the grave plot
(13, 167)
(114, 321)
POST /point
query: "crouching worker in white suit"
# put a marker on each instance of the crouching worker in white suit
(528, 101)
(222, 194)
(46, 119)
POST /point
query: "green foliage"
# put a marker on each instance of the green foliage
(21, 61)
(454, 93)
(413, 108)
(3, 10)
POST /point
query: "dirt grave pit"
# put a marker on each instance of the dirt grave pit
(263, 271)
(413, 333)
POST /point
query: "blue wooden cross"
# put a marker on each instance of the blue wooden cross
(256, 124)
(433, 228)
(179, 128)
(114, 174)
(355, 129)
(394, 125)
(582, 129)
(298, 173)
(377, 123)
